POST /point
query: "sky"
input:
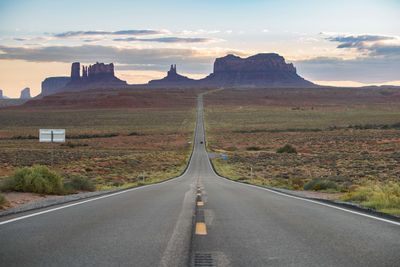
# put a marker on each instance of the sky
(341, 42)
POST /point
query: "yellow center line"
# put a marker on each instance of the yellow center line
(200, 203)
(201, 228)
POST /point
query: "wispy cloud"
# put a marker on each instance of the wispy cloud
(96, 33)
(131, 58)
(369, 44)
(198, 32)
(165, 40)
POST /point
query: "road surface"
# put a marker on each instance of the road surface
(198, 219)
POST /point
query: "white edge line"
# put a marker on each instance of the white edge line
(87, 200)
(300, 198)
(104, 196)
(113, 194)
(308, 200)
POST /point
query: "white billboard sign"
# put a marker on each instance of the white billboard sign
(52, 135)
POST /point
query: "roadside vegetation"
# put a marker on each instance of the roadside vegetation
(340, 143)
(287, 149)
(36, 179)
(383, 197)
(2, 201)
(105, 148)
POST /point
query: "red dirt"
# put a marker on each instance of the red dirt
(115, 98)
(304, 97)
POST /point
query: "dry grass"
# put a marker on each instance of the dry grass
(339, 140)
(378, 196)
(111, 147)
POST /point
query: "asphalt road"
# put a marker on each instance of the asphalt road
(156, 226)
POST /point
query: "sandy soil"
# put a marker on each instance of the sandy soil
(16, 199)
(319, 195)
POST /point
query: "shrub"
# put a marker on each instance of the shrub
(287, 149)
(381, 197)
(253, 148)
(78, 182)
(88, 136)
(22, 137)
(297, 183)
(320, 184)
(36, 179)
(2, 200)
(72, 145)
(134, 134)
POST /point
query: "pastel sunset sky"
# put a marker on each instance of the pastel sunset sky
(343, 42)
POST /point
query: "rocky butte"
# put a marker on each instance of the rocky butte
(173, 78)
(98, 75)
(25, 93)
(1, 94)
(261, 70)
(266, 69)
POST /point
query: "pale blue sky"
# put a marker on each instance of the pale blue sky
(309, 33)
(310, 16)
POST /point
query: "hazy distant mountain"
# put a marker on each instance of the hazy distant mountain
(25, 93)
(2, 96)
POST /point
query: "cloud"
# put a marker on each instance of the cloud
(197, 32)
(165, 40)
(95, 33)
(357, 40)
(370, 45)
(125, 58)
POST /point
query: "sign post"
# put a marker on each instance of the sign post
(52, 136)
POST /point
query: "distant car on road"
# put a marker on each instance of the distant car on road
(201, 142)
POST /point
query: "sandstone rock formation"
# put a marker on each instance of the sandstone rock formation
(267, 69)
(173, 78)
(75, 71)
(25, 93)
(1, 94)
(96, 75)
(53, 85)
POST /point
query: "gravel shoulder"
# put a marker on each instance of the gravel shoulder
(21, 202)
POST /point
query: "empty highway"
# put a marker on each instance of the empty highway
(198, 219)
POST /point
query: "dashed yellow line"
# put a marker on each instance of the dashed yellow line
(201, 228)
(200, 203)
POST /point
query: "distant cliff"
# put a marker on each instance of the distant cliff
(53, 85)
(1, 94)
(267, 69)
